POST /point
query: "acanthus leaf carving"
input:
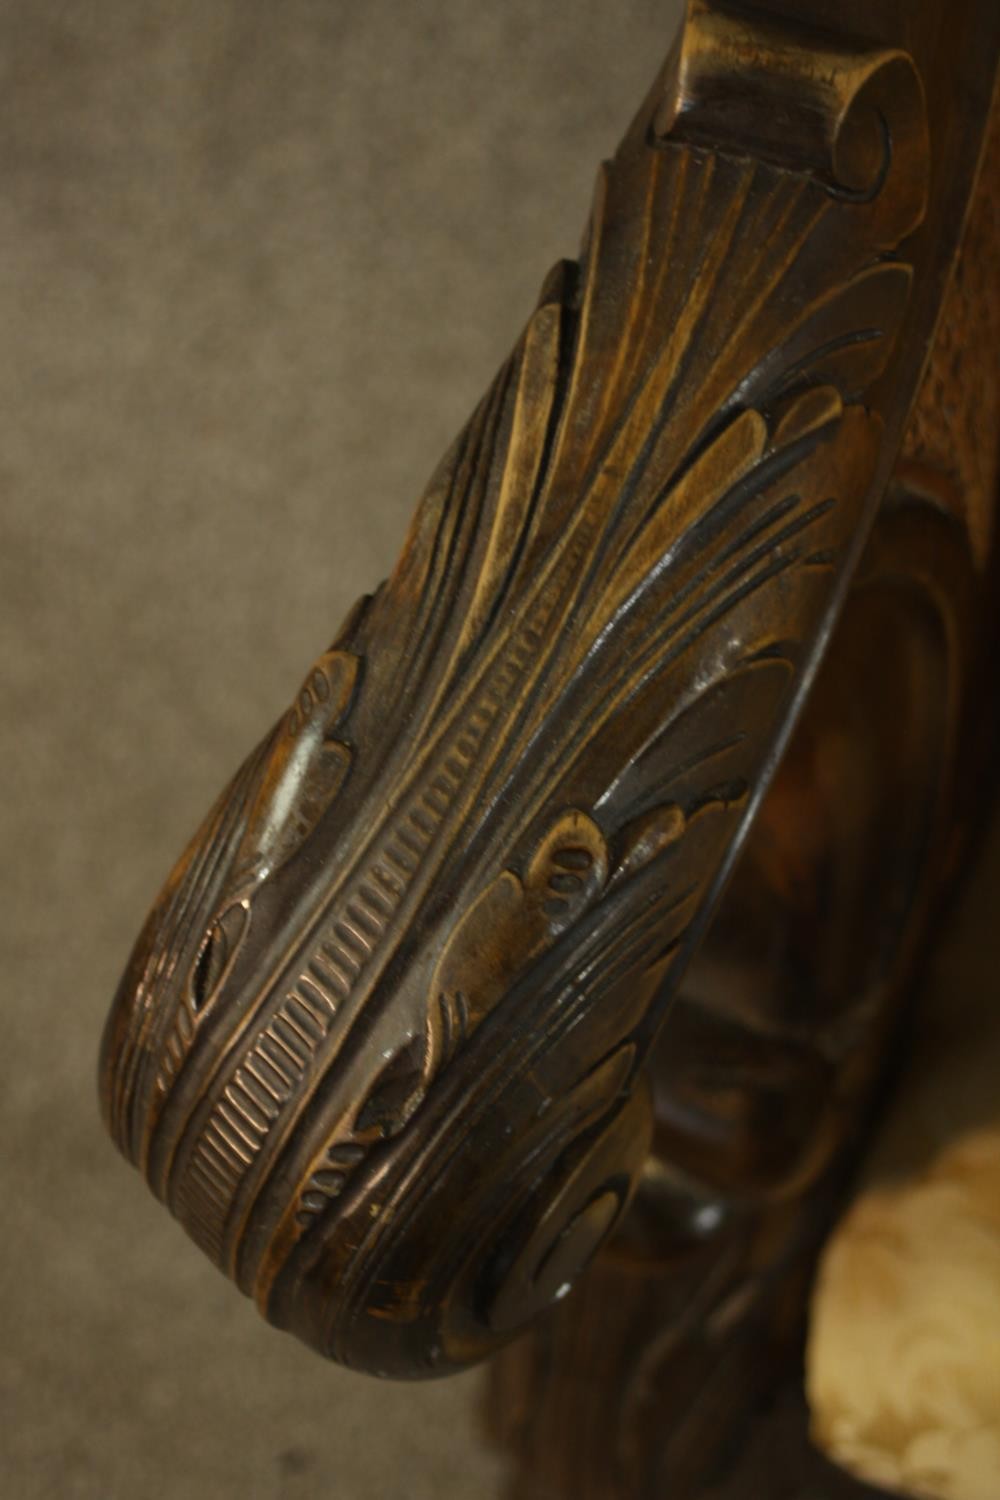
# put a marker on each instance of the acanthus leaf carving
(645, 523)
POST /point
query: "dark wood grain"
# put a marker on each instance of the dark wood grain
(426, 1005)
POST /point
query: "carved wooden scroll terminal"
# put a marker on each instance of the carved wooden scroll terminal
(408, 1030)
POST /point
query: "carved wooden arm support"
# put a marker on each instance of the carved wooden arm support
(409, 1024)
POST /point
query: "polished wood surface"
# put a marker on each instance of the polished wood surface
(576, 895)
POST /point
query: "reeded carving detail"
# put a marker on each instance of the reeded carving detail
(380, 1046)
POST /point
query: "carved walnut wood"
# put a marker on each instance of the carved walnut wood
(392, 1044)
(676, 1369)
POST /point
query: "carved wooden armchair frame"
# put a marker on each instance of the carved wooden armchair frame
(574, 900)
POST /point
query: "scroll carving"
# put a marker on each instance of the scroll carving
(380, 1047)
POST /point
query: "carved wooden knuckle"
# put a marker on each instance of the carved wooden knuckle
(389, 1045)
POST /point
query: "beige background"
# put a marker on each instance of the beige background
(257, 260)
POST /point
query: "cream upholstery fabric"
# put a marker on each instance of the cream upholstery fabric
(904, 1358)
(904, 1368)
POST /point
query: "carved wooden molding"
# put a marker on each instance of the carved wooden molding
(391, 1046)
